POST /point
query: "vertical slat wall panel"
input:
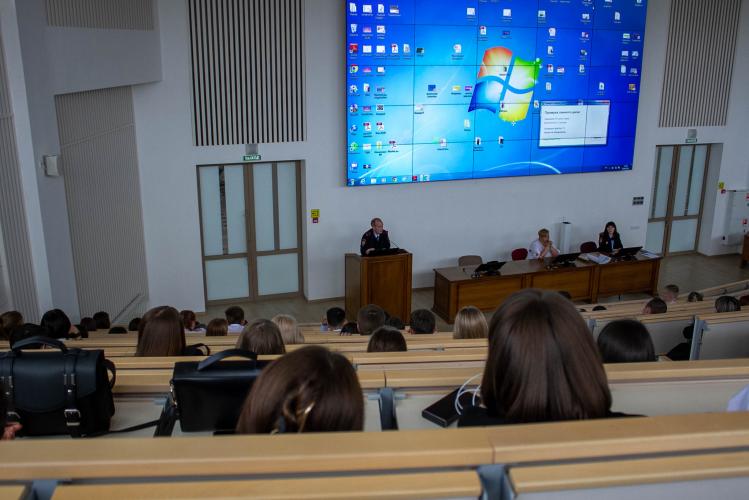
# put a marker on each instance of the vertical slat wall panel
(102, 14)
(15, 234)
(247, 71)
(100, 168)
(699, 62)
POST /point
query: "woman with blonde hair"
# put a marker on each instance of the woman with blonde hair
(470, 323)
(289, 329)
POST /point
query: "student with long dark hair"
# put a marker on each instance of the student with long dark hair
(609, 240)
(625, 341)
(542, 365)
(308, 390)
(160, 333)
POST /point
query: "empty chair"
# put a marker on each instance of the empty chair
(519, 254)
(588, 246)
(470, 260)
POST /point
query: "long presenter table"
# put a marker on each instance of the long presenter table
(454, 287)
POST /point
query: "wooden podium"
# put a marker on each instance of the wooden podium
(383, 280)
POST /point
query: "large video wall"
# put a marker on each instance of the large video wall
(454, 89)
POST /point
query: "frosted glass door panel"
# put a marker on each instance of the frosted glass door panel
(287, 207)
(235, 209)
(683, 234)
(210, 205)
(654, 238)
(698, 177)
(682, 181)
(660, 187)
(263, 189)
(226, 279)
(277, 274)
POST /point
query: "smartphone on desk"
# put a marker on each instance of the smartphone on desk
(443, 412)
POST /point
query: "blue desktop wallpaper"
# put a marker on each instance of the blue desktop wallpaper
(467, 89)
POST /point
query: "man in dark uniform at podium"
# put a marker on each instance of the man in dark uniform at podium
(375, 239)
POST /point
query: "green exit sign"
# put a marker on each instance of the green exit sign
(254, 157)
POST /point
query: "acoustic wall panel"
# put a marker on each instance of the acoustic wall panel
(699, 62)
(102, 14)
(15, 235)
(247, 71)
(100, 168)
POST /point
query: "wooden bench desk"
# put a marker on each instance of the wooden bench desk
(449, 484)
(685, 477)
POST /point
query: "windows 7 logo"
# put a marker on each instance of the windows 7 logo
(505, 84)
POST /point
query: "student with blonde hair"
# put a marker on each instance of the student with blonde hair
(470, 323)
(289, 329)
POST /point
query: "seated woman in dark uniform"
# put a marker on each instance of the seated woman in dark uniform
(609, 240)
(542, 365)
(374, 239)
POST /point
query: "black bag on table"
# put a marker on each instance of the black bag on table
(60, 391)
(208, 395)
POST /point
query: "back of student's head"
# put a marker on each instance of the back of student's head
(726, 303)
(118, 329)
(336, 317)
(217, 327)
(422, 321)
(234, 315)
(8, 321)
(744, 300)
(188, 319)
(470, 323)
(387, 339)
(655, 306)
(89, 324)
(133, 325)
(308, 390)
(670, 293)
(161, 333)
(542, 363)
(599, 308)
(395, 322)
(695, 297)
(57, 324)
(370, 318)
(289, 329)
(625, 341)
(350, 328)
(261, 337)
(102, 320)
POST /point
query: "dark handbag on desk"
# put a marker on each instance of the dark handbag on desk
(60, 391)
(208, 395)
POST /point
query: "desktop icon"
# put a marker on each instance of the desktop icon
(482, 30)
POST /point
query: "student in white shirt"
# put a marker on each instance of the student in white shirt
(542, 247)
(235, 318)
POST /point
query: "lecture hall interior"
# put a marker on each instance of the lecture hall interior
(484, 249)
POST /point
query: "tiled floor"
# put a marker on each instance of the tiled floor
(689, 272)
